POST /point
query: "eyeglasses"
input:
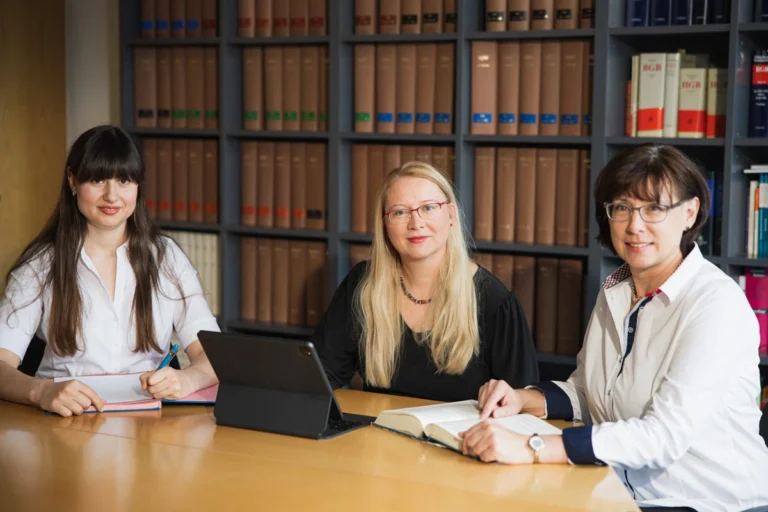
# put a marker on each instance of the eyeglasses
(426, 211)
(648, 212)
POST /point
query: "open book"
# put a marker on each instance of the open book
(443, 422)
(121, 392)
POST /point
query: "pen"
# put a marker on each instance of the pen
(169, 357)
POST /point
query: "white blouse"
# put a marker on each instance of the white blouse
(108, 328)
(668, 392)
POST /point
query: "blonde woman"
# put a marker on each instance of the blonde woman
(420, 318)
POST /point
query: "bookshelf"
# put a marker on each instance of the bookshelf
(613, 45)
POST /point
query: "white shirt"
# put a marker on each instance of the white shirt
(108, 328)
(680, 423)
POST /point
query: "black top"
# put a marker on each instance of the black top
(506, 348)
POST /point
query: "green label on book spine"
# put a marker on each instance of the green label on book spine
(179, 114)
(323, 116)
(308, 116)
(273, 115)
(251, 115)
(212, 114)
(194, 114)
(362, 117)
(290, 115)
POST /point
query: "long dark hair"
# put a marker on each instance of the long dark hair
(101, 153)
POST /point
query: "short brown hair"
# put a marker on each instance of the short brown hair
(645, 172)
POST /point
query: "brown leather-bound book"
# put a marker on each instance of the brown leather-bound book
(193, 23)
(450, 12)
(317, 17)
(263, 18)
(211, 181)
(316, 258)
(389, 16)
(164, 179)
(149, 147)
(410, 17)
(405, 101)
(365, 93)
(298, 185)
(179, 87)
(444, 76)
(283, 185)
(297, 283)
(178, 18)
(209, 20)
(485, 82)
(264, 281)
(485, 170)
(440, 155)
(281, 253)
(265, 178)
(291, 88)
(432, 16)
(365, 17)
(317, 178)
(426, 55)
(147, 13)
(281, 14)
(550, 87)
(451, 163)
(525, 287)
(570, 88)
(322, 95)
(246, 18)
(162, 19)
(519, 15)
(299, 10)
(195, 77)
(310, 86)
(253, 82)
(587, 14)
(358, 215)
(567, 197)
(273, 81)
(358, 253)
(583, 223)
(542, 14)
(424, 154)
(407, 154)
(546, 176)
(375, 179)
(546, 301)
(509, 87)
(180, 179)
(525, 195)
(386, 87)
(504, 269)
(570, 282)
(164, 104)
(506, 186)
(485, 260)
(588, 49)
(495, 15)
(530, 87)
(249, 198)
(248, 277)
(566, 14)
(195, 163)
(145, 69)
(211, 92)
(391, 158)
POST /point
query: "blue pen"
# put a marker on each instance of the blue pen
(169, 357)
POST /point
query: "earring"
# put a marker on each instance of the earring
(73, 193)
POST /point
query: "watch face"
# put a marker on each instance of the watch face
(536, 443)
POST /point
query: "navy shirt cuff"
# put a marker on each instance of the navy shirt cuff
(558, 404)
(578, 445)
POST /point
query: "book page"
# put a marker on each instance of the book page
(465, 410)
(113, 388)
(523, 424)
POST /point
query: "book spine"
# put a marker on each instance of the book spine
(758, 104)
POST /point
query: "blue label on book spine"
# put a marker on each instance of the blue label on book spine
(587, 119)
(161, 24)
(405, 117)
(442, 118)
(482, 118)
(527, 118)
(385, 117)
(193, 24)
(423, 117)
(177, 24)
(548, 118)
(506, 118)
(146, 25)
(570, 119)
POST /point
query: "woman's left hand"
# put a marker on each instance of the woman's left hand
(166, 383)
(494, 443)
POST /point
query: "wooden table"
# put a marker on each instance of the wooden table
(179, 459)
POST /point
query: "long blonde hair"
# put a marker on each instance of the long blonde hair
(454, 337)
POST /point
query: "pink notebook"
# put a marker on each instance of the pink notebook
(121, 392)
(205, 396)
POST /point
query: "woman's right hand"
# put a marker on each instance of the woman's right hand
(497, 399)
(69, 397)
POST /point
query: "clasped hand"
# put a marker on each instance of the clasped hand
(165, 383)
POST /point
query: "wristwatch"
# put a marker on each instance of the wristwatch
(537, 444)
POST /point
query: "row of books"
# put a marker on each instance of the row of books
(281, 18)
(758, 97)
(283, 282)
(176, 87)
(502, 15)
(178, 19)
(372, 162)
(532, 87)
(656, 13)
(283, 184)
(532, 195)
(757, 212)
(404, 88)
(754, 282)
(182, 179)
(285, 88)
(405, 16)
(202, 249)
(675, 95)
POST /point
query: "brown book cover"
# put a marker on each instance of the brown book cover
(444, 96)
(193, 23)
(317, 17)
(248, 182)
(164, 179)
(407, 154)
(440, 156)
(569, 306)
(504, 269)
(405, 100)
(358, 253)
(179, 87)
(375, 179)
(211, 94)
(180, 179)
(195, 164)
(485, 82)
(283, 185)
(451, 163)
(264, 281)
(426, 55)
(265, 178)
(147, 13)
(310, 87)
(164, 104)
(389, 16)
(525, 286)
(546, 299)
(291, 88)
(365, 93)
(509, 87)
(281, 254)
(298, 185)
(211, 181)
(253, 99)
(519, 15)
(588, 76)
(424, 154)
(410, 17)
(566, 14)
(273, 80)
(162, 19)
(587, 14)
(550, 87)
(485, 170)
(195, 80)
(246, 18)
(485, 260)
(391, 158)
(530, 87)
(316, 270)
(149, 147)
(450, 12)
(359, 189)
(365, 17)
(281, 15)
(263, 18)
(317, 178)
(297, 282)
(386, 87)
(431, 16)
(322, 95)
(584, 198)
(209, 20)
(570, 88)
(506, 185)
(145, 82)
(299, 10)
(178, 18)
(248, 277)
(525, 195)
(542, 14)
(495, 15)
(567, 197)
(546, 169)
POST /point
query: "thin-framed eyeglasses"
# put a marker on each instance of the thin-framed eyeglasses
(621, 212)
(402, 215)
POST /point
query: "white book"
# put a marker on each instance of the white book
(692, 103)
(650, 101)
(671, 93)
(751, 219)
(717, 89)
(635, 77)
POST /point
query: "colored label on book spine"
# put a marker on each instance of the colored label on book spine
(423, 117)
(507, 118)
(385, 117)
(482, 118)
(527, 118)
(569, 119)
(442, 118)
(548, 118)
(404, 117)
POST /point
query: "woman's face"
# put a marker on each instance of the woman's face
(106, 204)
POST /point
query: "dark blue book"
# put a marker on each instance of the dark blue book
(761, 10)
(638, 12)
(719, 11)
(758, 98)
(661, 13)
(699, 9)
(682, 12)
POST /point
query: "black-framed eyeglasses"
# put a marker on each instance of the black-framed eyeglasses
(621, 212)
(403, 215)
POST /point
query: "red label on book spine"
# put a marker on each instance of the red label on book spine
(317, 21)
(282, 212)
(180, 206)
(244, 22)
(265, 211)
(650, 119)
(194, 207)
(691, 121)
(211, 208)
(248, 210)
(164, 205)
(150, 203)
(299, 213)
(760, 74)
